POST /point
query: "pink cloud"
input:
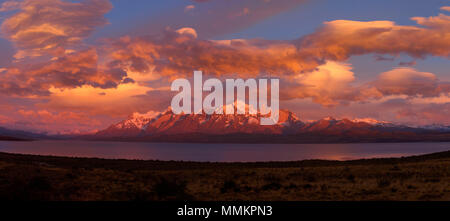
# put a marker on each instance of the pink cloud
(54, 122)
(50, 26)
(69, 71)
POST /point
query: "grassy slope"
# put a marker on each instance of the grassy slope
(27, 177)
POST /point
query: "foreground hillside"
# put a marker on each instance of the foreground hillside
(27, 177)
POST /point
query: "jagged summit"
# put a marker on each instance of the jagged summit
(167, 122)
(169, 127)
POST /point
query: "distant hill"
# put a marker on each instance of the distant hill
(18, 135)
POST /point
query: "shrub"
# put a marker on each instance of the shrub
(272, 186)
(351, 178)
(383, 182)
(229, 185)
(171, 189)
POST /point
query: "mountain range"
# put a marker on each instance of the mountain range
(238, 128)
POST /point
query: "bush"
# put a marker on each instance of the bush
(272, 186)
(171, 189)
(383, 182)
(351, 178)
(229, 185)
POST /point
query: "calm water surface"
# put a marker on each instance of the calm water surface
(219, 152)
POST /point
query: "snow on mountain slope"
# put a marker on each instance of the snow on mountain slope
(168, 123)
(137, 120)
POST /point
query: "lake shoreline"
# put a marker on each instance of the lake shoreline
(309, 162)
(200, 152)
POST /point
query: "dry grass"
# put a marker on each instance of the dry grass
(25, 177)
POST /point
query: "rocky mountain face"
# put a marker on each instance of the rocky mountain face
(169, 127)
(170, 123)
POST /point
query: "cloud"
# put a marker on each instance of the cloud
(407, 81)
(423, 115)
(179, 52)
(10, 5)
(50, 26)
(382, 58)
(125, 75)
(411, 63)
(51, 32)
(305, 71)
(176, 53)
(328, 85)
(114, 102)
(213, 19)
(187, 31)
(189, 8)
(340, 39)
(394, 109)
(401, 81)
(55, 122)
(333, 83)
(70, 71)
(445, 8)
(309, 67)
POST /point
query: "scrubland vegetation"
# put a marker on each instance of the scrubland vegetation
(27, 177)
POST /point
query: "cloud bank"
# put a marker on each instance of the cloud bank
(121, 75)
(51, 26)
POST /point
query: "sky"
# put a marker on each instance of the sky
(79, 66)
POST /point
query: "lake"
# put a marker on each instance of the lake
(219, 152)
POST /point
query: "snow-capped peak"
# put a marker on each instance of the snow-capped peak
(148, 115)
(240, 106)
(329, 118)
(138, 120)
(369, 121)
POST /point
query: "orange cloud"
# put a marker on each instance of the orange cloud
(116, 102)
(340, 39)
(312, 61)
(179, 52)
(10, 5)
(189, 8)
(407, 81)
(56, 122)
(436, 113)
(114, 77)
(333, 83)
(445, 8)
(50, 26)
(328, 84)
(70, 71)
